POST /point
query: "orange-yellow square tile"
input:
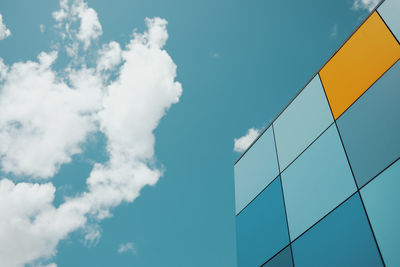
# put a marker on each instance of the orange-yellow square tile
(359, 63)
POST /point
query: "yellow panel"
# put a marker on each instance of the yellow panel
(359, 63)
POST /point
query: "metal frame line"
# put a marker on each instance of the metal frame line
(316, 73)
(358, 188)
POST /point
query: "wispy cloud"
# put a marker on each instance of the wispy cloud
(42, 28)
(128, 247)
(242, 143)
(4, 31)
(365, 4)
(46, 116)
(334, 31)
(215, 54)
(89, 29)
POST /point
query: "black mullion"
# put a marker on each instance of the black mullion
(387, 26)
(283, 195)
(358, 191)
(316, 73)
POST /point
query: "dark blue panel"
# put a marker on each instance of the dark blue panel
(255, 170)
(261, 227)
(370, 129)
(316, 182)
(283, 259)
(343, 238)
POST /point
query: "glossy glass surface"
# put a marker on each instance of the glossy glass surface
(261, 228)
(389, 10)
(255, 170)
(283, 259)
(370, 129)
(381, 198)
(302, 122)
(359, 63)
(343, 238)
(316, 182)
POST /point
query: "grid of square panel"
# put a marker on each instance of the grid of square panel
(321, 184)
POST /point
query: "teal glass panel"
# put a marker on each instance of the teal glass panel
(370, 128)
(283, 259)
(255, 170)
(389, 11)
(261, 228)
(316, 182)
(381, 198)
(302, 122)
(343, 238)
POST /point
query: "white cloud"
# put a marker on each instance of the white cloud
(48, 265)
(109, 56)
(3, 70)
(78, 12)
(92, 235)
(242, 143)
(127, 247)
(90, 27)
(41, 28)
(46, 115)
(4, 32)
(30, 226)
(44, 120)
(365, 4)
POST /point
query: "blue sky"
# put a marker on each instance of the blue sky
(131, 124)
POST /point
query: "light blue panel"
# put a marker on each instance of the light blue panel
(302, 122)
(316, 182)
(343, 238)
(261, 227)
(390, 12)
(382, 198)
(370, 128)
(255, 170)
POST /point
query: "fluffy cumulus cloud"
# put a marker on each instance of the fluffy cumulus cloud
(43, 120)
(242, 143)
(4, 31)
(30, 226)
(127, 247)
(365, 4)
(46, 116)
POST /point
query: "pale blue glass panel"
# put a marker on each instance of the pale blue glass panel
(370, 128)
(261, 228)
(390, 12)
(316, 182)
(302, 122)
(255, 170)
(382, 198)
(341, 239)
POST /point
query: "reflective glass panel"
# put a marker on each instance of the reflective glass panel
(370, 129)
(302, 122)
(283, 259)
(381, 198)
(389, 10)
(359, 63)
(343, 238)
(316, 182)
(255, 170)
(261, 228)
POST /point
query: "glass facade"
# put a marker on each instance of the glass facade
(321, 185)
